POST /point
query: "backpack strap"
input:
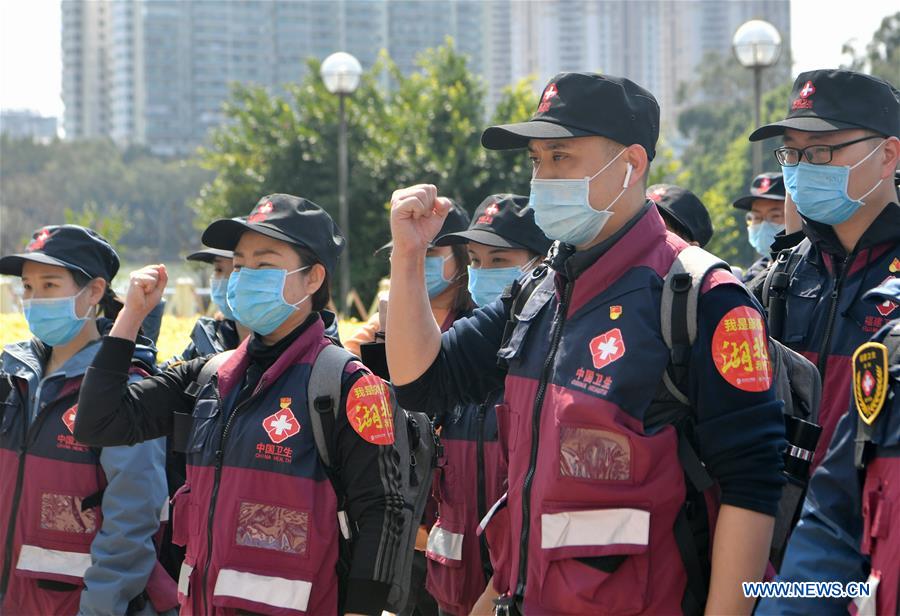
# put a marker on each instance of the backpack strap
(775, 286)
(678, 311)
(182, 423)
(324, 399)
(514, 298)
(679, 324)
(210, 368)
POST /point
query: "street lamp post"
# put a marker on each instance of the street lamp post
(341, 73)
(757, 45)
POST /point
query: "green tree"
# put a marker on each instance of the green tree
(426, 128)
(39, 183)
(716, 165)
(111, 221)
(881, 56)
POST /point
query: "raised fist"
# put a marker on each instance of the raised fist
(417, 214)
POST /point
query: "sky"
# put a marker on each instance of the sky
(30, 57)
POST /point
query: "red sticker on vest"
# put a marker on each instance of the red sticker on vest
(740, 350)
(369, 410)
(68, 418)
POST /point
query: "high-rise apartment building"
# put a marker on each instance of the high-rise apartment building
(156, 72)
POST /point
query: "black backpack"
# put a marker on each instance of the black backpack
(797, 380)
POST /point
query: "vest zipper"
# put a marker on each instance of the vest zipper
(555, 336)
(220, 456)
(841, 271)
(481, 498)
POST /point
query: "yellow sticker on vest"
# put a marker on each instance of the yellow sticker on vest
(870, 382)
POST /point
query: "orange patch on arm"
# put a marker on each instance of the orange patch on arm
(369, 410)
(740, 350)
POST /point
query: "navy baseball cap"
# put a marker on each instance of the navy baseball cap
(764, 186)
(457, 220)
(685, 209)
(291, 219)
(502, 221)
(209, 255)
(582, 105)
(828, 100)
(76, 248)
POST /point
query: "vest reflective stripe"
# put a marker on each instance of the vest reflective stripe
(867, 606)
(595, 527)
(268, 589)
(42, 560)
(184, 578)
(445, 544)
(164, 512)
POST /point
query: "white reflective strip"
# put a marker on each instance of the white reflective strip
(184, 578)
(595, 527)
(487, 517)
(164, 512)
(444, 543)
(866, 606)
(41, 560)
(268, 589)
(344, 523)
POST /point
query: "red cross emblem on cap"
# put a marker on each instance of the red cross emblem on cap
(39, 240)
(607, 348)
(657, 194)
(550, 92)
(807, 90)
(282, 424)
(68, 418)
(262, 212)
(489, 213)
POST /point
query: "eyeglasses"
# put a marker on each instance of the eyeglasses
(775, 217)
(814, 154)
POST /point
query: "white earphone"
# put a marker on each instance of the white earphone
(627, 176)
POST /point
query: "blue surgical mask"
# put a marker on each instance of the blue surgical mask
(218, 292)
(53, 320)
(486, 285)
(761, 236)
(820, 191)
(434, 275)
(562, 208)
(256, 298)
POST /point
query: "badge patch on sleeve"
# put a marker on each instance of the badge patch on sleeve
(740, 350)
(870, 382)
(369, 410)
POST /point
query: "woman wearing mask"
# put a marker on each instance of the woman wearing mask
(259, 515)
(214, 335)
(503, 244)
(77, 522)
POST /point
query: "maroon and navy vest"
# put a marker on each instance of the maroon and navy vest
(471, 478)
(827, 320)
(258, 514)
(589, 515)
(50, 491)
